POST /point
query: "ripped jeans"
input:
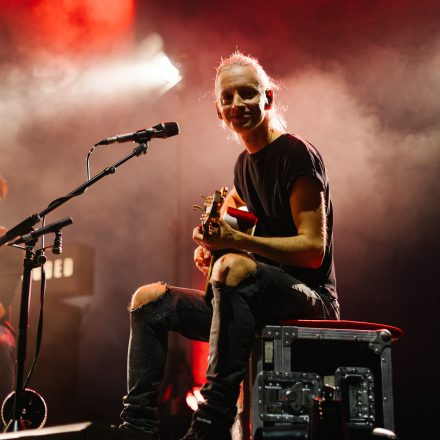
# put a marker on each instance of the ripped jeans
(228, 323)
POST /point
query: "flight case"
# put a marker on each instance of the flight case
(292, 365)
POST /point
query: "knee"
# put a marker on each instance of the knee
(231, 269)
(147, 294)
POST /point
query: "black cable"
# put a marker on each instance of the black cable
(40, 319)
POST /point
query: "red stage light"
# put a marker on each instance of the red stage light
(70, 27)
(200, 352)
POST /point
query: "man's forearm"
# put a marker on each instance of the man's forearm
(299, 250)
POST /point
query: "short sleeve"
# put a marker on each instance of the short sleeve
(303, 160)
(238, 175)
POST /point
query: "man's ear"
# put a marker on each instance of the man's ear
(269, 99)
(219, 115)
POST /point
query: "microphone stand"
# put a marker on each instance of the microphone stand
(27, 224)
(34, 259)
(31, 261)
(137, 151)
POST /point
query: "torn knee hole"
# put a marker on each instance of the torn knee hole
(147, 294)
(231, 269)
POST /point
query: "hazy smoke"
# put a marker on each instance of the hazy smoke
(360, 81)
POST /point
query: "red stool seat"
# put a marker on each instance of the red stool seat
(396, 332)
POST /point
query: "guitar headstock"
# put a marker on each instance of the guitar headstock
(211, 211)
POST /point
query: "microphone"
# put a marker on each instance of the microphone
(53, 227)
(22, 228)
(163, 130)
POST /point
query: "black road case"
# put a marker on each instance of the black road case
(292, 364)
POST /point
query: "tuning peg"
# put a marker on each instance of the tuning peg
(224, 190)
(197, 207)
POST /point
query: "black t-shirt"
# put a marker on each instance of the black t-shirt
(264, 182)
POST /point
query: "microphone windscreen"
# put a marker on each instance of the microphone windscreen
(171, 129)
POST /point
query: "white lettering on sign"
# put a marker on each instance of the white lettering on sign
(58, 268)
(68, 267)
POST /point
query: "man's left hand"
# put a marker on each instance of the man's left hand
(225, 238)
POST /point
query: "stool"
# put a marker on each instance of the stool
(292, 362)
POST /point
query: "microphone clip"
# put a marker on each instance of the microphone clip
(57, 247)
(141, 148)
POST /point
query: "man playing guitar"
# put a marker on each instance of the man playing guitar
(285, 270)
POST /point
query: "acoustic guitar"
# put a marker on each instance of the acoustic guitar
(239, 219)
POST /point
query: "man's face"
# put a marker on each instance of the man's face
(240, 98)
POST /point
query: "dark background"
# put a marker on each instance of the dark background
(359, 79)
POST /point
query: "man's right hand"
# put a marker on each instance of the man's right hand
(202, 258)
